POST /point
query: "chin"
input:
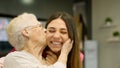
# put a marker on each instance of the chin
(56, 51)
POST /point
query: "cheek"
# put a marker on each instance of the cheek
(65, 38)
(48, 36)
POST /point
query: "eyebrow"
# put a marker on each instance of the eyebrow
(54, 28)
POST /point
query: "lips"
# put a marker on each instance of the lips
(56, 43)
(55, 46)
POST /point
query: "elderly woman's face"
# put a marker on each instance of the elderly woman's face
(56, 34)
(37, 34)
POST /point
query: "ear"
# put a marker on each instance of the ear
(25, 33)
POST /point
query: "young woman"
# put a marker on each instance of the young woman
(60, 27)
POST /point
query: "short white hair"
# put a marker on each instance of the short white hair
(16, 25)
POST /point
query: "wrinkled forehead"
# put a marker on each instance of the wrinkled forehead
(29, 19)
(29, 22)
(32, 22)
(22, 22)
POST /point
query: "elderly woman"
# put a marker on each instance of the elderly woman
(27, 35)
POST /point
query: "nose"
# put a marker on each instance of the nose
(56, 35)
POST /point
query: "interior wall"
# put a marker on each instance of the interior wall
(109, 52)
(41, 8)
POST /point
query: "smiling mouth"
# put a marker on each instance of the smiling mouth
(56, 43)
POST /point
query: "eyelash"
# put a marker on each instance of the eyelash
(52, 31)
(64, 32)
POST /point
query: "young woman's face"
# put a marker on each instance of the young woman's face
(56, 34)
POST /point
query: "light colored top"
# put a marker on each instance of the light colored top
(26, 60)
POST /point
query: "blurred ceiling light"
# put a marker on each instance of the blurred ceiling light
(27, 2)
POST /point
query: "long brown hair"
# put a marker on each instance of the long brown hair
(74, 55)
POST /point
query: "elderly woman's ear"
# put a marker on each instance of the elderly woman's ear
(25, 33)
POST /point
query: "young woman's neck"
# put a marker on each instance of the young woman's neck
(48, 49)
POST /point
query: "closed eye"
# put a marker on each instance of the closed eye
(64, 32)
(51, 31)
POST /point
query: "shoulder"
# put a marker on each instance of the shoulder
(16, 54)
(16, 57)
(20, 55)
(20, 59)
